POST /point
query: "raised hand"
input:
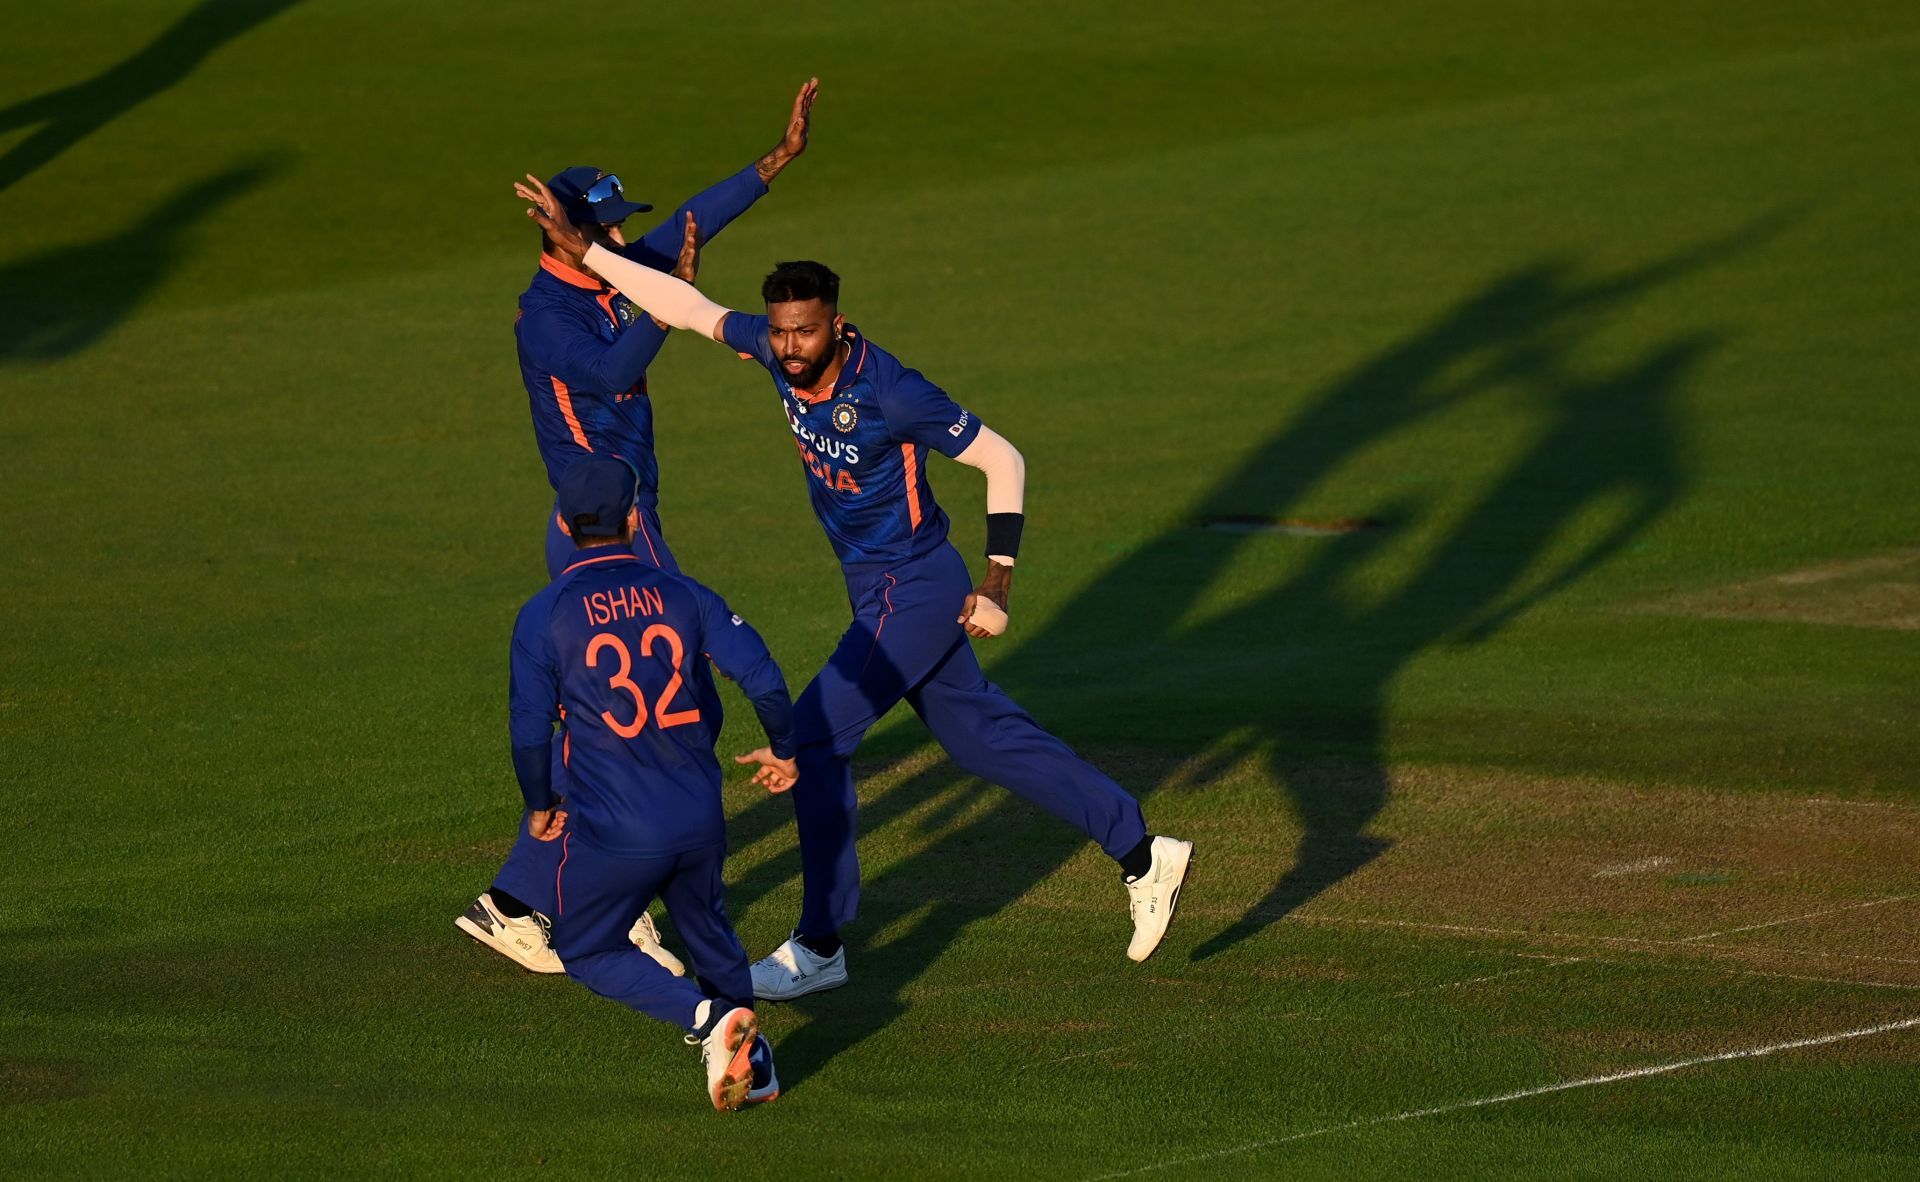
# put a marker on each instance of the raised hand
(794, 142)
(801, 120)
(689, 262)
(549, 216)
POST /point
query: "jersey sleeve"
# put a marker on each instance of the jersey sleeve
(920, 412)
(747, 336)
(533, 703)
(738, 652)
(712, 208)
(583, 359)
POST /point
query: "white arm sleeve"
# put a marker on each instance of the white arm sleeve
(1006, 470)
(660, 294)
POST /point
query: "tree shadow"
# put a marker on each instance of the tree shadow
(72, 113)
(1300, 672)
(59, 302)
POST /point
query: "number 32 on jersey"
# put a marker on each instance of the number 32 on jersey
(621, 679)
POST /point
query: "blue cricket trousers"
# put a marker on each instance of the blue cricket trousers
(597, 896)
(905, 643)
(527, 874)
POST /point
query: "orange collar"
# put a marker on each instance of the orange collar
(603, 558)
(843, 379)
(568, 275)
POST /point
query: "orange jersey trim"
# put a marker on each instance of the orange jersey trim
(566, 274)
(913, 486)
(602, 558)
(564, 397)
(605, 300)
(814, 398)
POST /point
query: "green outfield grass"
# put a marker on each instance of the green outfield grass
(1594, 754)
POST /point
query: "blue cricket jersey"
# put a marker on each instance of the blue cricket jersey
(863, 446)
(617, 649)
(584, 348)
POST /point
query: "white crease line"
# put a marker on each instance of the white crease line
(1070, 1058)
(1774, 923)
(1408, 923)
(1525, 1093)
(1565, 960)
(1864, 804)
(1641, 867)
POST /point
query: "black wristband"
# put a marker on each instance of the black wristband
(1003, 533)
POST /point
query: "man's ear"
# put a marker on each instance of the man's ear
(633, 520)
(564, 527)
(839, 327)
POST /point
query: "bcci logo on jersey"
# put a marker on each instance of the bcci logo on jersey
(844, 417)
(625, 309)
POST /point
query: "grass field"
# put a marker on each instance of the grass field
(1591, 757)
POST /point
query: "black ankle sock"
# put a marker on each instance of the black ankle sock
(1139, 859)
(821, 946)
(507, 905)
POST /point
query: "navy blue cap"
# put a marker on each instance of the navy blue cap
(592, 196)
(595, 495)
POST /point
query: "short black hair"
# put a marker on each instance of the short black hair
(801, 280)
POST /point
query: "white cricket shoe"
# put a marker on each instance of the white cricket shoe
(1152, 897)
(728, 1050)
(525, 941)
(646, 938)
(793, 971)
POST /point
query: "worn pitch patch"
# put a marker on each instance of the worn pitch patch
(1878, 592)
(1574, 866)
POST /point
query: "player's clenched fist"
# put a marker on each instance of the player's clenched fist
(775, 774)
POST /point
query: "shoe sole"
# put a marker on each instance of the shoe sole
(481, 936)
(1173, 907)
(730, 1090)
(759, 996)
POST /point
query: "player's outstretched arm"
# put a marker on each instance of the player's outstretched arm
(666, 299)
(985, 611)
(716, 206)
(739, 653)
(673, 302)
(794, 141)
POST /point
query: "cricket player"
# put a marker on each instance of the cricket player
(863, 424)
(584, 352)
(615, 645)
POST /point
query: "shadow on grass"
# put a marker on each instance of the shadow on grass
(72, 113)
(58, 302)
(1301, 672)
